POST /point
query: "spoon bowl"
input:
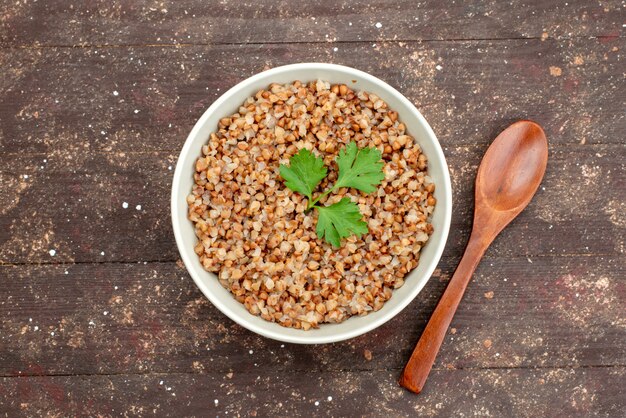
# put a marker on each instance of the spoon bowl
(513, 167)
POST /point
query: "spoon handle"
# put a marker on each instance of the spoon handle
(416, 370)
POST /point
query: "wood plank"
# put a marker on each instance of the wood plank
(73, 204)
(55, 22)
(60, 100)
(113, 318)
(500, 392)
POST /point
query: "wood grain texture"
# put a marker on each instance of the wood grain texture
(543, 392)
(62, 99)
(96, 99)
(90, 224)
(101, 22)
(150, 318)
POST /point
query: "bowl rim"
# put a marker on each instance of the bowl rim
(272, 332)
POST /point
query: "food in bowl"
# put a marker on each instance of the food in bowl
(260, 236)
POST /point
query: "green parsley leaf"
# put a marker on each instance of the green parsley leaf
(306, 171)
(339, 220)
(361, 169)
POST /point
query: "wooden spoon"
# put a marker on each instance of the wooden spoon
(507, 179)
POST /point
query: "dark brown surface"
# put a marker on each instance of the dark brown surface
(541, 329)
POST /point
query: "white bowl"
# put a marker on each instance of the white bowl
(227, 104)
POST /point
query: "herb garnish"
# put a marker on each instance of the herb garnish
(360, 169)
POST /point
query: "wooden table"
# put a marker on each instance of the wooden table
(99, 316)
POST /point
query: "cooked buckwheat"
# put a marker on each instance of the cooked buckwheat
(254, 232)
